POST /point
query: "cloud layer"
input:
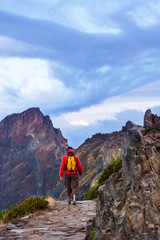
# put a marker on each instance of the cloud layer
(73, 59)
(111, 114)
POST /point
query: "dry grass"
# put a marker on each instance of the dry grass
(1, 222)
(51, 201)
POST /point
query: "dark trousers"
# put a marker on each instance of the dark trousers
(71, 183)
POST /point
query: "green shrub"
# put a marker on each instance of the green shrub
(92, 234)
(117, 165)
(30, 205)
(91, 194)
(111, 168)
(3, 213)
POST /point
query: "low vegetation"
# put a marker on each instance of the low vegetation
(2, 215)
(92, 234)
(91, 194)
(30, 205)
(111, 168)
(51, 201)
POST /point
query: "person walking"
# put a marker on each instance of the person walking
(71, 166)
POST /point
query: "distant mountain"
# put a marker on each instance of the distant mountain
(31, 150)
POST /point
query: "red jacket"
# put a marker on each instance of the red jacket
(63, 167)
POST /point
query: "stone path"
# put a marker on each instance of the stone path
(61, 222)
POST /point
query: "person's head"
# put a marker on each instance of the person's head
(70, 151)
(69, 148)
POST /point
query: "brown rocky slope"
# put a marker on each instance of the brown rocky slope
(95, 153)
(128, 205)
(30, 154)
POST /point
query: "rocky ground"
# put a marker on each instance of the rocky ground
(61, 222)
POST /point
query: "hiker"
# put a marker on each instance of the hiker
(70, 165)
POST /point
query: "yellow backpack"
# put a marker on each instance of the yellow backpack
(71, 164)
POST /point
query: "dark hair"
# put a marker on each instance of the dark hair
(69, 148)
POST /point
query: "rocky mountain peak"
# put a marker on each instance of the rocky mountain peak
(30, 154)
(24, 126)
(148, 119)
(129, 125)
(151, 120)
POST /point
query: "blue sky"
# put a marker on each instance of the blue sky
(90, 65)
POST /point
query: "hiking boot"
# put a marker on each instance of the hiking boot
(69, 201)
(74, 202)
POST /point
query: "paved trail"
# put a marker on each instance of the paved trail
(61, 222)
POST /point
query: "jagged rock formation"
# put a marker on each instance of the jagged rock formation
(30, 154)
(95, 153)
(128, 205)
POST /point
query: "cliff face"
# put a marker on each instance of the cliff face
(30, 154)
(128, 205)
(95, 153)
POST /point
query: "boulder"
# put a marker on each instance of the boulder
(148, 119)
(135, 138)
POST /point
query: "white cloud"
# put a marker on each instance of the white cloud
(80, 17)
(78, 122)
(27, 82)
(84, 17)
(103, 69)
(97, 17)
(24, 74)
(138, 99)
(10, 45)
(146, 14)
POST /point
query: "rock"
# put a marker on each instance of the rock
(135, 138)
(151, 121)
(153, 158)
(148, 119)
(89, 227)
(25, 218)
(8, 226)
(129, 125)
